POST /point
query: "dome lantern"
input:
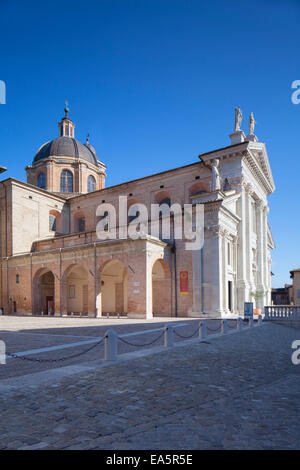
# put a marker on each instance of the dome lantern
(66, 126)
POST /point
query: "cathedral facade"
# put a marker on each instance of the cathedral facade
(53, 262)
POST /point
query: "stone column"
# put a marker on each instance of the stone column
(140, 283)
(216, 273)
(63, 299)
(249, 231)
(197, 282)
(91, 294)
(266, 263)
(242, 282)
(260, 253)
(57, 295)
(224, 258)
(234, 266)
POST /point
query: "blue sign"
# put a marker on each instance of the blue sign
(248, 310)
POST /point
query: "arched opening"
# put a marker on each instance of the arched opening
(163, 197)
(43, 292)
(133, 204)
(161, 289)
(75, 290)
(198, 188)
(91, 184)
(55, 222)
(113, 291)
(42, 181)
(79, 222)
(66, 181)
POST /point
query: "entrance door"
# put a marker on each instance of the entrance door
(85, 299)
(230, 296)
(50, 305)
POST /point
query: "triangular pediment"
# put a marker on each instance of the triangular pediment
(259, 154)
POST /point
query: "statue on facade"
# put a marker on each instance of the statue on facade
(251, 124)
(238, 119)
(215, 184)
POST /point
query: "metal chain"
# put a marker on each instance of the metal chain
(186, 337)
(141, 345)
(231, 327)
(33, 359)
(213, 329)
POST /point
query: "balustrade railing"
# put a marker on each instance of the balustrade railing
(282, 312)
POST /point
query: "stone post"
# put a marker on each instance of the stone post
(224, 326)
(202, 329)
(168, 336)
(111, 346)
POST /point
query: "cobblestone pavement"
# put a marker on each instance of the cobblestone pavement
(33, 333)
(240, 391)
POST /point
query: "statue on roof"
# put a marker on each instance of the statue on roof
(215, 184)
(251, 124)
(238, 119)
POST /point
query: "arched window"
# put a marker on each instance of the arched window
(66, 182)
(81, 224)
(52, 223)
(134, 208)
(91, 184)
(42, 181)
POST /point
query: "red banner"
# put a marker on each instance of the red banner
(184, 282)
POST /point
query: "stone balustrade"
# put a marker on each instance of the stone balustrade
(282, 312)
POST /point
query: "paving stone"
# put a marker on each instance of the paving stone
(239, 392)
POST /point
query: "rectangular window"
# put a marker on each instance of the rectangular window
(71, 292)
(298, 293)
(17, 278)
(81, 224)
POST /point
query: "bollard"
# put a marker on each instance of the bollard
(168, 336)
(239, 323)
(259, 320)
(42, 313)
(80, 314)
(202, 329)
(72, 314)
(107, 315)
(111, 346)
(224, 326)
(250, 322)
(118, 315)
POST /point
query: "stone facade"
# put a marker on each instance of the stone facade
(52, 260)
(294, 289)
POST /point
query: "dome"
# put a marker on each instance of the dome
(68, 147)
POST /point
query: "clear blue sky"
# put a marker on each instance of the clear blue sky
(155, 82)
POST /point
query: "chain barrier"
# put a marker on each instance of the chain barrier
(33, 359)
(141, 345)
(232, 327)
(213, 329)
(186, 337)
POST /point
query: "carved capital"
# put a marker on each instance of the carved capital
(217, 231)
(234, 239)
(248, 188)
